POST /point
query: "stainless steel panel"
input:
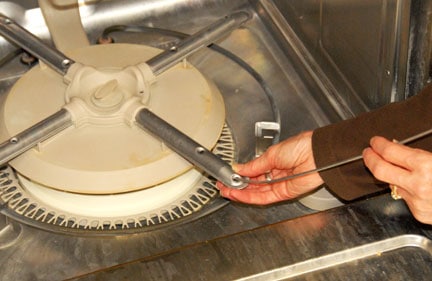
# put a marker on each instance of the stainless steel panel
(377, 254)
(312, 79)
(361, 47)
(377, 239)
(31, 254)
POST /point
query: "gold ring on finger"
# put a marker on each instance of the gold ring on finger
(394, 193)
(268, 176)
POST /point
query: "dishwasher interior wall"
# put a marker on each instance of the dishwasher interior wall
(359, 55)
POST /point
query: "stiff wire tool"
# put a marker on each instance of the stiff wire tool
(330, 166)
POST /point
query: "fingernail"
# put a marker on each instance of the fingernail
(365, 150)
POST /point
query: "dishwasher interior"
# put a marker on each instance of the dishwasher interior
(289, 66)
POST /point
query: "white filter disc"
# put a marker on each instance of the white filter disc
(111, 154)
(107, 206)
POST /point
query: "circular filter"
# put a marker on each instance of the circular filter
(105, 152)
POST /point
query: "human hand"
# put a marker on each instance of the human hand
(291, 156)
(407, 168)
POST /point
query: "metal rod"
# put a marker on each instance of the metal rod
(24, 39)
(189, 149)
(37, 133)
(196, 41)
(334, 165)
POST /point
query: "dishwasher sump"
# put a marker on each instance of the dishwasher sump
(101, 169)
(93, 176)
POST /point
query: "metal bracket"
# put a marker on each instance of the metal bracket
(265, 133)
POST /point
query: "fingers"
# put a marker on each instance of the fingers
(394, 153)
(258, 195)
(254, 168)
(384, 170)
(398, 164)
(407, 168)
(286, 156)
(269, 161)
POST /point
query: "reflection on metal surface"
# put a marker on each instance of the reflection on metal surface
(376, 249)
(16, 34)
(359, 48)
(237, 240)
(10, 232)
(354, 242)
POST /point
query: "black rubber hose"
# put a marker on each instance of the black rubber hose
(179, 35)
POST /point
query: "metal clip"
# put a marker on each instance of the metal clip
(265, 133)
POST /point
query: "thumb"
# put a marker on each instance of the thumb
(256, 167)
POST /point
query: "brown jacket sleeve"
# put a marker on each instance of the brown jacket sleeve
(348, 138)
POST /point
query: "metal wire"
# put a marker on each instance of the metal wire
(333, 165)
